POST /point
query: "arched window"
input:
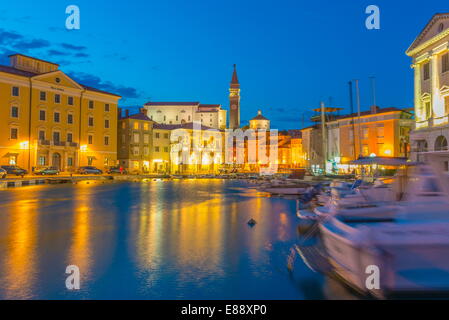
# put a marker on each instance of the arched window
(441, 143)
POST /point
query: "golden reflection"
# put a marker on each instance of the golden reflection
(20, 259)
(80, 252)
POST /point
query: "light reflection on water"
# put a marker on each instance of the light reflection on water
(151, 240)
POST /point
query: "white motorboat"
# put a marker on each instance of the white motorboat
(410, 249)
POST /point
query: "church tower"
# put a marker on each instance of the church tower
(234, 101)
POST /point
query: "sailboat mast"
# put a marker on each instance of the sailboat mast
(324, 136)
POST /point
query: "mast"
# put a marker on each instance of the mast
(324, 136)
(358, 116)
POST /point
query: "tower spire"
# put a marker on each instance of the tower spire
(235, 79)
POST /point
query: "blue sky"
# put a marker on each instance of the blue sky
(289, 54)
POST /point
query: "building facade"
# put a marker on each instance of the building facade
(48, 119)
(430, 54)
(135, 134)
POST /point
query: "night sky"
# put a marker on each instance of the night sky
(290, 55)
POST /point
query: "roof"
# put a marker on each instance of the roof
(424, 31)
(259, 116)
(235, 79)
(180, 126)
(368, 113)
(137, 116)
(209, 105)
(172, 103)
(19, 54)
(11, 70)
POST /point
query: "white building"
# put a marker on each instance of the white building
(430, 53)
(210, 115)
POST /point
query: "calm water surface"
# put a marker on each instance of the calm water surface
(152, 240)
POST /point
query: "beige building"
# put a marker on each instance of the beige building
(174, 113)
(259, 122)
(430, 54)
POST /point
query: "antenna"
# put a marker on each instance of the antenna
(373, 89)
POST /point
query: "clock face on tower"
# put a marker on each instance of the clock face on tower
(233, 107)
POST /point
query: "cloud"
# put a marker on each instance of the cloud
(70, 46)
(96, 82)
(81, 55)
(7, 36)
(26, 45)
(53, 52)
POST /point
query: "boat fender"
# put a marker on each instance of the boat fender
(252, 222)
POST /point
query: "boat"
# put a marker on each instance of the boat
(408, 246)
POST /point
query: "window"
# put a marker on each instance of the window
(445, 62)
(165, 118)
(123, 138)
(15, 91)
(351, 135)
(380, 131)
(136, 125)
(57, 98)
(70, 161)
(14, 133)
(426, 71)
(165, 135)
(43, 96)
(428, 109)
(14, 112)
(42, 161)
(145, 126)
(365, 150)
(106, 107)
(70, 118)
(136, 151)
(41, 135)
(42, 115)
(91, 121)
(123, 125)
(56, 117)
(365, 132)
(106, 141)
(156, 149)
(91, 104)
(90, 161)
(56, 137)
(177, 118)
(165, 149)
(136, 138)
(106, 124)
(69, 137)
(90, 139)
(157, 135)
(146, 138)
(146, 151)
(70, 101)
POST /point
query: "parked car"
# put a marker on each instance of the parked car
(115, 170)
(48, 171)
(89, 170)
(3, 173)
(15, 170)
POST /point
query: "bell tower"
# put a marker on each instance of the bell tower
(234, 101)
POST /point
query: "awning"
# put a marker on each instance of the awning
(10, 154)
(383, 161)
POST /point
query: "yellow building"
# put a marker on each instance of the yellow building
(48, 119)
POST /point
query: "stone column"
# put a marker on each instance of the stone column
(437, 105)
(418, 107)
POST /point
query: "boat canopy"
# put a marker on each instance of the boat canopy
(383, 161)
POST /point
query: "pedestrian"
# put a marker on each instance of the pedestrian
(121, 170)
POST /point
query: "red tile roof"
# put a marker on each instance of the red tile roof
(178, 126)
(172, 103)
(137, 116)
(367, 113)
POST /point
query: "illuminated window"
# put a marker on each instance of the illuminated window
(380, 131)
(145, 126)
(136, 138)
(365, 150)
(136, 125)
(42, 161)
(365, 132)
(70, 161)
(428, 109)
